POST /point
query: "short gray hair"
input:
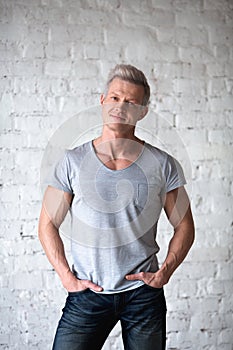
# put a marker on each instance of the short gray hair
(133, 75)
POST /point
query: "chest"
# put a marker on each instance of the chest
(115, 164)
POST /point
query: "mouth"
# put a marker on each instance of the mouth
(117, 117)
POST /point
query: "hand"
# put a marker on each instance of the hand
(73, 284)
(154, 279)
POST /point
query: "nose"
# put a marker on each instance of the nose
(120, 106)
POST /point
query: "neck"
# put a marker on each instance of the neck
(110, 132)
(117, 143)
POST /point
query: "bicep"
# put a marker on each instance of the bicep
(177, 207)
(55, 206)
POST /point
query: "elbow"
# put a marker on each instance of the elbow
(46, 228)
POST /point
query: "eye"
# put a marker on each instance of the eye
(130, 103)
(114, 98)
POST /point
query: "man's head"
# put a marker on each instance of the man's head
(132, 75)
(126, 97)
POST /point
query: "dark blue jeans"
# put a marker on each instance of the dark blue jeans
(88, 318)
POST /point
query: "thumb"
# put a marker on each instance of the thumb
(91, 285)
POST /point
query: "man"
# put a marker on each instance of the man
(115, 188)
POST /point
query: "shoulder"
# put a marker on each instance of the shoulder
(78, 152)
(160, 154)
(168, 163)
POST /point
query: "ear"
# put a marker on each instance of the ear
(143, 113)
(102, 98)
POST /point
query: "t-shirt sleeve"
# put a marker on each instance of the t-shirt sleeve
(174, 174)
(59, 176)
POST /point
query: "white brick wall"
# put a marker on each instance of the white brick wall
(55, 55)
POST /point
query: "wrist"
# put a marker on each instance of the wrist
(67, 278)
(168, 267)
(170, 263)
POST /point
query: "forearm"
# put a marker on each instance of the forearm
(178, 249)
(54, 250)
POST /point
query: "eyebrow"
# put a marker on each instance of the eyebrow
(120, 91)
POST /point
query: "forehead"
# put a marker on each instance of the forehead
(126, 88)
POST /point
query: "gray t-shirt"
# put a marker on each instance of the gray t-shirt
(114, 213)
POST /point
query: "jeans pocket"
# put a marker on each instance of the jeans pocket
(153, 288)
(78, 292)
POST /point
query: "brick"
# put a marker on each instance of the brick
(33, 50)
(32, 13)
(196, 54)
(27, 67)
(28, 156)
(164, 35)
(197, 120)
(217, 104)
(58, 50)
(49, 86)
(189, 87)
(34, 104)
(23, 280)
(27, 123)
(13, 228)
(199, 36)
(24, 85)
(220, 137)
(217, 86)
(225, 271)
(210, 305)
(209, 152)
(58, 69)
(56, 13)
(221, 34)
(181, 305)
(177, 321)
(182, 36)
(157, 17)
(161, 52)
(10, 50)
(193, 103)
(222, 53)
(92, 52)
(13, 140)
(9, 193)
(12, 32)
(29, 210)
(85, 17)
(84, 69)
(217, 69)
(7, 210)
(197, 18)
(210, 254)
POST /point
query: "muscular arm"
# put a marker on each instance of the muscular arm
(178, 211)
(55, 206)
